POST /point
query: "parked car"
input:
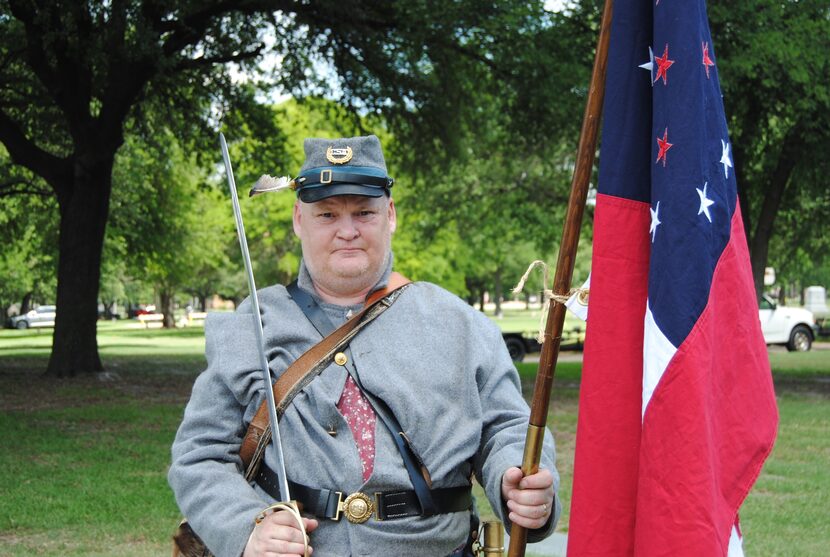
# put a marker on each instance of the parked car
(793, 327)
(521, 344)
(135, 311)
(41, 316)
(518, 345)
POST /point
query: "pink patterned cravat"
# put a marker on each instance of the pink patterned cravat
(361, 419)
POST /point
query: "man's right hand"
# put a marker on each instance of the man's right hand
(278, 535)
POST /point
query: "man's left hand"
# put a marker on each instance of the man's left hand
(528, 498)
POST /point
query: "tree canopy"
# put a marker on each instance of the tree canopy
(774, 60)
(109, 113)
(82, 71)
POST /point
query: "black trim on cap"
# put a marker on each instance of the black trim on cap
(310, 194)
(328, 182)
(330, 176)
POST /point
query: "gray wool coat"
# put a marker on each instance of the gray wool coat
(440, 365)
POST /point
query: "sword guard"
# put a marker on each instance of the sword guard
(291, 508)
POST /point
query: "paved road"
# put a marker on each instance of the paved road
(554, 546)
(564, 356)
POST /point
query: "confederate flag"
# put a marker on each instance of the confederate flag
(677, 411)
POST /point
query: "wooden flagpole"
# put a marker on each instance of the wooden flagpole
(564, 268)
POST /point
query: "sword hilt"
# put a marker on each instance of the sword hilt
(291, 508)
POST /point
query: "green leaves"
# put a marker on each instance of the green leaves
(773, 60)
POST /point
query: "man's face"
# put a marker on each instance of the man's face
(346, 240)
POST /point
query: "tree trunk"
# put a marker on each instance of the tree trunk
(739, 155)
(497, 293)
(83, 212)
(167, 309)
(26, 304)
(109, 308)
(773, 196)
(471, 292)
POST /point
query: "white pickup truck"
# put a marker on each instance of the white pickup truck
(793, 327)
(815, 300)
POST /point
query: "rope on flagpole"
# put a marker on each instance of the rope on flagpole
(547, 295)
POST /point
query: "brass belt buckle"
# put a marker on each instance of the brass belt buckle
(357, 507)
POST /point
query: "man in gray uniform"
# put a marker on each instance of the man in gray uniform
(438, 366)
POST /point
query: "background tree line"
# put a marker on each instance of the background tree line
(110, 188)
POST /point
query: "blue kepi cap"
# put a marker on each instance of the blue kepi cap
(345, 166)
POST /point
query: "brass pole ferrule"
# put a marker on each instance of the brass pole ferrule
(533, 449)
(493, 539)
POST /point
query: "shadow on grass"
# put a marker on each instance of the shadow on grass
(163, 378)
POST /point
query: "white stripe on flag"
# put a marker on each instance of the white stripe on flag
(736, 544)
(657, 353)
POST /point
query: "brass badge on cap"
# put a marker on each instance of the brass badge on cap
(339, 155)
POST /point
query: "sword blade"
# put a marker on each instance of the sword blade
(276, 443)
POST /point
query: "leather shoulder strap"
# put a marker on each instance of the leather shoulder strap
(305, 368)
(396, 280)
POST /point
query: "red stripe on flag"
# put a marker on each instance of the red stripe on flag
(711, 422)
(609, 425)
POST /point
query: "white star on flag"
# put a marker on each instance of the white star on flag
(724, 159)
(705, 203)
(649, 65)
(655, 221)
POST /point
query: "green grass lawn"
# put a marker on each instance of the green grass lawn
(85, 459)
(786, 514)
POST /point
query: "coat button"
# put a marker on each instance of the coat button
(340, 359)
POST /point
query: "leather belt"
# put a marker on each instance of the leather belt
(359, 507)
